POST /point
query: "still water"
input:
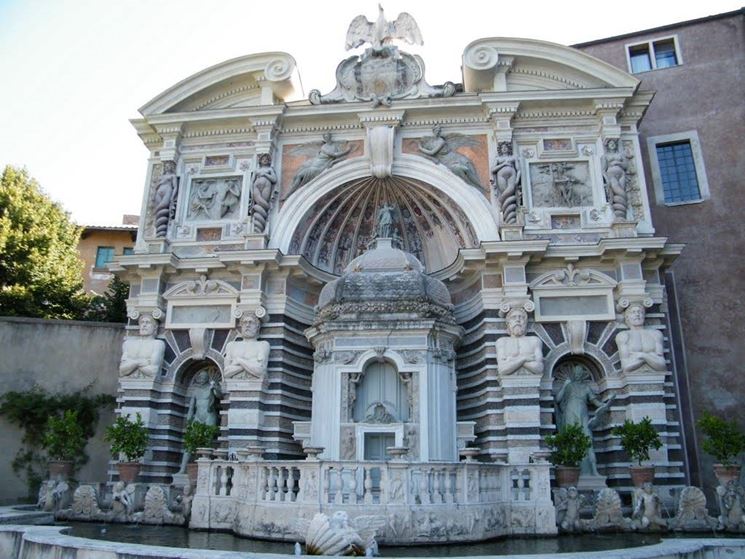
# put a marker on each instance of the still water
(173, 536)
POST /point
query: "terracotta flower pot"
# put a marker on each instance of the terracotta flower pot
(727, 472)
(60, 469)
(641, 474)
(567, 476)
(128, 471)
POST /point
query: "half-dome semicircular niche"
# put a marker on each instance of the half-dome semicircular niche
(339, 227)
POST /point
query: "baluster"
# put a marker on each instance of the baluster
(216, 476)
(448, 486)
(339, 497)
(367, 472)
(352, 500)
(272, 483)
(383, 489)
(297, 488)
(281, 483)
(328, 486)
(264, 484)
(424, 496)
(223, 481)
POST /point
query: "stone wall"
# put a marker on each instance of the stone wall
(60, 356)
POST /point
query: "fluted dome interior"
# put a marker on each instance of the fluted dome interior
(341, 224)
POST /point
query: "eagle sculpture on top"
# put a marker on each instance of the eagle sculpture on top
(383, 32)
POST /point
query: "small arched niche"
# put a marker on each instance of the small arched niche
(382, 397)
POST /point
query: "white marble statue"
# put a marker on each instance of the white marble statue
(518, 354)
(262, 192)
(731, 498)
(506, 173)
(122, 501)
(382, 32)
(165, 193)
(615, 166)
(568, 504)
(648, 508)
(203, 405)
(142, 356)
(248, 357)
(639, 348)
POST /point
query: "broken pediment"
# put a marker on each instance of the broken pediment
(507, 64)
(247, 81)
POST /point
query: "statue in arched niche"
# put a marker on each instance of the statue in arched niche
(638, 347)
(142, 356)
(204, 396)
(573, 401)
(518, 354)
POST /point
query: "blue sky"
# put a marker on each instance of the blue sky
(74, 71)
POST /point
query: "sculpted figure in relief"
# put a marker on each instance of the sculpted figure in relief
(506, 172)
(249, 357)
(639, 348)
(165, 193)
(329, 155)
(732, 506)
(517, 353)
(572, 403)
(615, 166)
(142, 356)
(648, 508)
(261, 194)
(441, 149)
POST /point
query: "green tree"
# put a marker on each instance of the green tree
(40, 271)
(112, 305)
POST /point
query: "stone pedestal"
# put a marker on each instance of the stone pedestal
(511, 232)
(245, 417)
(522, 416)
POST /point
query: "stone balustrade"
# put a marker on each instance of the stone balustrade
(419, 501)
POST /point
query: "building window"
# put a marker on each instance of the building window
(653, 55)
(104, 255)
(678, 168)
(126, 251)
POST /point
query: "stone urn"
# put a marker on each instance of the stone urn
(397, 453)
(567, 476)
(313, 452)
(641, 475)
(727, 472)
(60, 469)
(469, 454)
(128, 471)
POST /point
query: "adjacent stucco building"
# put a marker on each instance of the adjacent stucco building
(691, 139)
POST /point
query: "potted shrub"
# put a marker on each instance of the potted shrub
(129, 440)
(568, 448)
(64, 440)
(724, 441)
(197, 436)
(637, 439)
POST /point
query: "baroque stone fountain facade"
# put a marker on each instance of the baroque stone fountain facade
(387, 295)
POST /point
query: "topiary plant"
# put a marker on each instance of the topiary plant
(199, 435)
(64, 437)
(128, 437)
(569, 446)
(638, 438)
(724, 440)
